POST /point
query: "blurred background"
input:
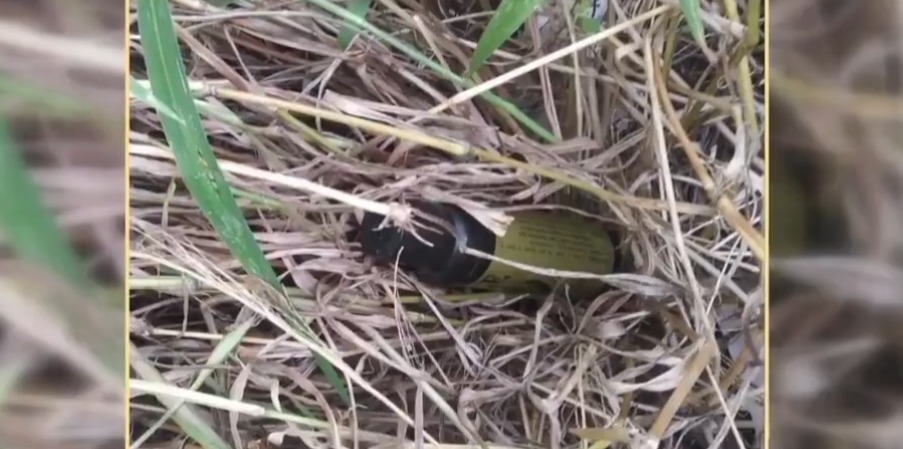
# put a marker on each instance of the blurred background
(836, 171)
(836, 167)
(62, 208)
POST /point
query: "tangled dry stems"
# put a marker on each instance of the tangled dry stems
(482, 367)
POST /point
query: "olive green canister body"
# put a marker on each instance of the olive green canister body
(547, 241)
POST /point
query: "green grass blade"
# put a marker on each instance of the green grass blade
(588, 18)
(141, 92)
(524, 119)
(40, 96)
(589, 25)
(510, 16)
(223, 350)
(29, 226)
(692, 10)
(753, 14)
(188, 139)
(359, 8)
(186, 416)
(193, 154)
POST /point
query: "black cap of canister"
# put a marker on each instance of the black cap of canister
(387, 243)
(443, 262)
(378, 238)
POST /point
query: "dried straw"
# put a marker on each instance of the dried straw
(311, 136)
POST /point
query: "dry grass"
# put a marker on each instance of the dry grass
(634, 366)
(835, 324)
(62, 92)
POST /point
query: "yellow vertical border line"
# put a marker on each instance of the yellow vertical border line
(126, 20)
(766, 263)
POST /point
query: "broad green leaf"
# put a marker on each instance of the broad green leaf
(188, 140)
(692, 10)
(193, 154)
(28, 226)
(144, 94)
(359, 8)
(510, 16)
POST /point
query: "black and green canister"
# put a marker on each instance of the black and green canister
(541, 239)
